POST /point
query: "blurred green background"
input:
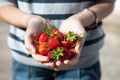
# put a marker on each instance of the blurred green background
(110, 53)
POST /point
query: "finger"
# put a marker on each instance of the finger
(56, 68)
(59, 63)
(72, 61)
(29, 44)
(40, 58)
(79, 46)
(49, 64)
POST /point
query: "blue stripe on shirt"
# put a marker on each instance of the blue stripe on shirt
(19, 52)
(54, 1)
(16, 37)
(90, 42)
(54, 16)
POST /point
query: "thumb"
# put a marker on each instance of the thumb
(80, 44)
(29, 44)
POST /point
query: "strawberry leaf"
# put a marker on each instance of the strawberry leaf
(52, 34)
(71, 36)
(57, 53)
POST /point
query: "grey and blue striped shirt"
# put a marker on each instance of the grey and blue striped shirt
(57, 11)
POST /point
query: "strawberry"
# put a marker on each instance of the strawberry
(61, 53)
(43, 45)
(72, 38)
(66, 54)
(73, 52)
(43, 51)
(65, 36)
(55, 31)
(65, 44)
(43, 37)
(57, 53)
(56, 34)
(43, 48)
(71, 43)
(53, 43)
(49, 55)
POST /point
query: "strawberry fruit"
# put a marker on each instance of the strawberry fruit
(72, 51)
(66, 54)
(43, 51)
(72, 38)
(43, 48)
(56, 45)
(53, 43)
(43, 37)
(60, 53)
(65, 44)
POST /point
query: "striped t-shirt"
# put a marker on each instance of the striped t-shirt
(57, 11)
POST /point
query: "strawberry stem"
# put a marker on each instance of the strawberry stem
(52, 25)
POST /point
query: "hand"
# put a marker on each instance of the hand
(72, 24)
(34, 28)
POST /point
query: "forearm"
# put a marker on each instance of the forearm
(102, 10)
(14, 16)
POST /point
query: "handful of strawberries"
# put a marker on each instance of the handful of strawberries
(56, 45)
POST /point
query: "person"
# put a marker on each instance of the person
(26, 18)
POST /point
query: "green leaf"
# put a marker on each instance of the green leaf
(52, 34)
(57, 53)
(71, 36)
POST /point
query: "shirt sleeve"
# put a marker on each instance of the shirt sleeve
(8, 2)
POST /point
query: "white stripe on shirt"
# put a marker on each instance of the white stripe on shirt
(16, 45)
(57, 8)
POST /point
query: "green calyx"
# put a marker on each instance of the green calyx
(57, 53)
(71, 36)
(52, 34)
(49, 26)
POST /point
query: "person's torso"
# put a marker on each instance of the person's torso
(57, 11)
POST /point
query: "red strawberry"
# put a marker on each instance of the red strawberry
(43, 37)
(61, 53)
(65, 36)
(72, 38)
(56, 34)
(43, 48)
(49, 55)
(66, 54)
(43, 45)
(73, 52)
(71, 43)
(53, 43)
(65, 44)
(43, 51)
